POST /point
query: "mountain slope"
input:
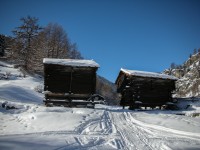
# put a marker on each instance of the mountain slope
(16, 87)
(108, 90)
(188, 73)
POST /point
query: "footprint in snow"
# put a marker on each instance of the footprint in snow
(32, 117)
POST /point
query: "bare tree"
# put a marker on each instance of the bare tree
(57, 42)
(38, 47)
(74, 53)
(32, 43)
(25, 33)
(53, 42)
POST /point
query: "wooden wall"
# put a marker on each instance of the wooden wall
(67, 79)
(152, 91)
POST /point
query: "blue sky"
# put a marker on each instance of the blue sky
(145, 35)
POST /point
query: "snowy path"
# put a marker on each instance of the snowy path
(138, 135)
(125, 132)
(100, 128)
(132, 136)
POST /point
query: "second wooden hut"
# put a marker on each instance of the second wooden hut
(148, 89)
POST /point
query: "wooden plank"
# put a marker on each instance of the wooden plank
(73, 103)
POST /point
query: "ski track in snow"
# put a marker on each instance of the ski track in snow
(154, 136)
(102, 128)
(130, 133)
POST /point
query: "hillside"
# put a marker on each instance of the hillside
(188, 73)
(17, 86)
(108, 90)
(26, 123)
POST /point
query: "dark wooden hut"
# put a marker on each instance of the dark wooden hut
(2, 45)
(147, 89)
(69, 80)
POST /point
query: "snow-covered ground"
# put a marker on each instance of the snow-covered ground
(34, 126)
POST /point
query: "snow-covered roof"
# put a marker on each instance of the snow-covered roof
(71, 62)
(148, 74)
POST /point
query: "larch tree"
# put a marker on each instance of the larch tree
(57, 42)
(33, 43)
(26, 32)
(74, 53)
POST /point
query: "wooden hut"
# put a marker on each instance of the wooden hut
(2, 45)
(69, 80)
(147, 89)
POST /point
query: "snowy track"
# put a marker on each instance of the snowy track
(101, 128)
(132, 137)
(129, 133)
(138, 135)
